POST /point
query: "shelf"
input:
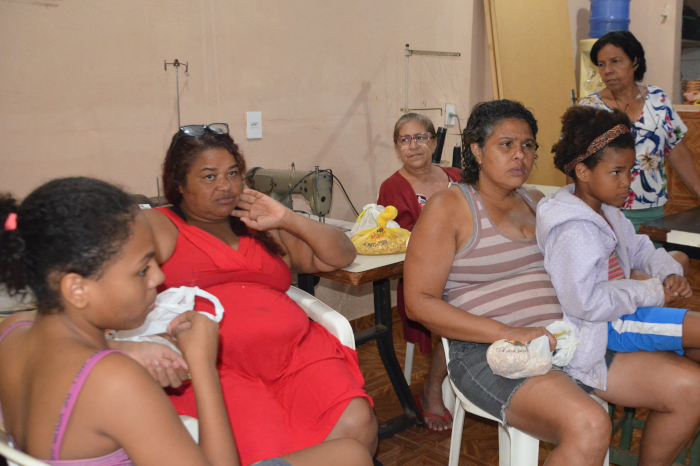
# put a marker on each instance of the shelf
(690, 44)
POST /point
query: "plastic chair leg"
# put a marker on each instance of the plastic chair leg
(457, 428)
(408, 363)
(504, 450)
(448, 395)
(527, 448)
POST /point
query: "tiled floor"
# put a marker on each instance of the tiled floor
(417, 447)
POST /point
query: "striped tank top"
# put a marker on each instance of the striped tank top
(499, 276)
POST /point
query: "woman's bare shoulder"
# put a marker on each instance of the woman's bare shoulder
(450, 210)
(448, 197)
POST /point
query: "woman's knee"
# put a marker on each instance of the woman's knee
(589, 429)
(682, 392)
(359, 417)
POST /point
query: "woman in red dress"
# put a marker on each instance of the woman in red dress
(287, 383)
(408, 190)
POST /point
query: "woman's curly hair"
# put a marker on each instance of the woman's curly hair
(182, 154)
(68, 225)
(483, 120)
(580, 126)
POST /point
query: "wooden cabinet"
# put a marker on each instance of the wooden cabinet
(679, 197)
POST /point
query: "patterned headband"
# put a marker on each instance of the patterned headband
(598, 143)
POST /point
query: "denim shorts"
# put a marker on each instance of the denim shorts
(272, 462)
(472, 375)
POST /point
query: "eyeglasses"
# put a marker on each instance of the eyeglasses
(197, 131)
(421, 139)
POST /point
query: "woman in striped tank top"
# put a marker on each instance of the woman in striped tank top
(474, 274)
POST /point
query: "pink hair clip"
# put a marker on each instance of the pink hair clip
(11, 222)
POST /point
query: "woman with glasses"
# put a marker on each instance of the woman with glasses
(287, 383)
(408, 190)
(657, 128)
(474, 274)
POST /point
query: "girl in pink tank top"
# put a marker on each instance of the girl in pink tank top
(87, 254)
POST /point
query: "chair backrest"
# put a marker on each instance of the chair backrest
(336, 324)
(446, 347)
(14, 456)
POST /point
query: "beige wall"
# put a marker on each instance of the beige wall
(83, 90)
(660, 38)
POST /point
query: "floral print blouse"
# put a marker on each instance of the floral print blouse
(656, 132)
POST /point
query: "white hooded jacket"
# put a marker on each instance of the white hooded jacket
(576, 243)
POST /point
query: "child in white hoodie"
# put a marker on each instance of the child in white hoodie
(591, 248)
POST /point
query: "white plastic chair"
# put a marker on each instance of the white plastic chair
(318, 311)
(515, 448)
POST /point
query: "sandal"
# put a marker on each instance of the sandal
(447, 417)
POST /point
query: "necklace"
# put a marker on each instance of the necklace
(617, 104)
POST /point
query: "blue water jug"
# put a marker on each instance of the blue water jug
(608, 15)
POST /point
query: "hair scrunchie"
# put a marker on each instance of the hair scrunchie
(11, 222)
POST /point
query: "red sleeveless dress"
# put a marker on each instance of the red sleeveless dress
(285, 379)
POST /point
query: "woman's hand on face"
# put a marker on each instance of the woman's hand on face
(196, 335)
(259, 211)
(527, 334)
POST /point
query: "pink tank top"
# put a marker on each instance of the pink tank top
(117, 457)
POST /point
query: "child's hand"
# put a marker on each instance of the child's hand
(197, 336)
(676, 285)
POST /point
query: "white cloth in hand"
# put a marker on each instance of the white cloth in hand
(169, 304)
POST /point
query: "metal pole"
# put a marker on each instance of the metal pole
(408, 54)
(177, 89)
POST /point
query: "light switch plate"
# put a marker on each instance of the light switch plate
(254, 125)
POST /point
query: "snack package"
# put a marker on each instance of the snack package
(368, 219)
(514, 360)
(382, 240)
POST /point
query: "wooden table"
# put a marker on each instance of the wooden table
(378, 270)
(680, 231)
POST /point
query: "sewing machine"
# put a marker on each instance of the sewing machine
(316, 186)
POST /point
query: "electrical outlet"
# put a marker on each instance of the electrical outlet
(449, 115)
(254, 126)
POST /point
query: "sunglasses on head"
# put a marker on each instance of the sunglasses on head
(197, 131)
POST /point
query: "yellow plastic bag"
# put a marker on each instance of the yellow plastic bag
(382, 240)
